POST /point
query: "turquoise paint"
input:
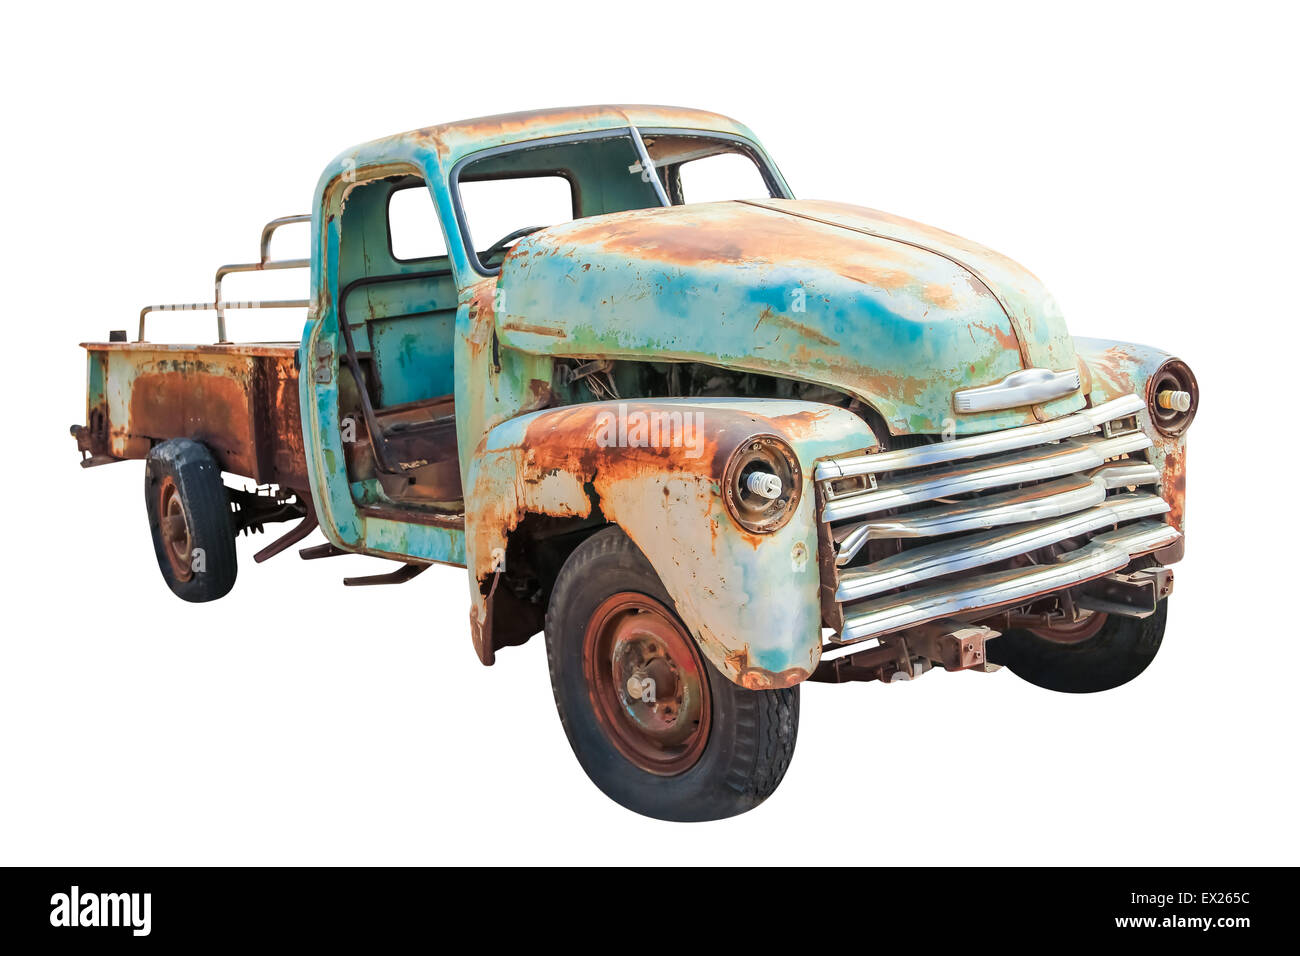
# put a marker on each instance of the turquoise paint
(897, 326)
(1122, 368)
(742, 599)
(882, 343)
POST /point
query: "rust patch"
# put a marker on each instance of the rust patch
(1006, 338)
(767, 316)
(560, 463)
(1112, 369)
(482, 313)
(939, 295)
(190, 400)
(540, 395)
(801, 424)
(730, 233)
(242, 405)
(1174, 482)
(758, 678)
(890, 279)
(534, 329)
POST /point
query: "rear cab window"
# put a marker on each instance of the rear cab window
(413, 230)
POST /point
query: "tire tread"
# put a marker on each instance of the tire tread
(765, 722)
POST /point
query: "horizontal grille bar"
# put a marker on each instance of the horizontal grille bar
(1080, 423)
(1051, 461)
(988, 547)
(1126, 474)
(1048, 500)
(1105, 553)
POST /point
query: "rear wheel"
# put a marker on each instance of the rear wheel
(655, 725)
(1100, 652)
(190, 520)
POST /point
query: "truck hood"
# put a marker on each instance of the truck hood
(895, 312)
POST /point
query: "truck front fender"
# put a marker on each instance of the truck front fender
(751, 600)
(1124, 368)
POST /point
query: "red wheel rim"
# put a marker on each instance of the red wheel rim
(174, 530)
(647, 683)
(1074, 632)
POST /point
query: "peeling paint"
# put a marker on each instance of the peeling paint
(734, 589)
(885, 315)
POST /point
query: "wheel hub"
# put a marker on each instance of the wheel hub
(1072, 632)
(175, 530)
(648, 685)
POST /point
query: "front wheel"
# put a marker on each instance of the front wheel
(1100, 652)
(654, 725)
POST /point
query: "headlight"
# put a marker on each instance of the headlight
(762, 484)
(1172, 397)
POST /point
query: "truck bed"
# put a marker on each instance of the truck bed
(239, 399)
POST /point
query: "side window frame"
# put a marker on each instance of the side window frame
(471, 251)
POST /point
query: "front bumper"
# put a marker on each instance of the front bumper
(956, 528)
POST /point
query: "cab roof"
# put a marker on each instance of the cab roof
(452, 141)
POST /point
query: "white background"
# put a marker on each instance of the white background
(1139, 158)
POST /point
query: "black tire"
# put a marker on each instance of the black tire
(751, 733)
(1119, 652)
(182, 480)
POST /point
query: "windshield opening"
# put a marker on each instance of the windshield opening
(603, 172)
(699, 168)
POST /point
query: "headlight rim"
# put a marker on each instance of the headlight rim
(785, 464)
(1175, 374)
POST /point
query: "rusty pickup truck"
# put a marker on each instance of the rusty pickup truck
(712, 440)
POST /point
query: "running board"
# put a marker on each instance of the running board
(400, 576)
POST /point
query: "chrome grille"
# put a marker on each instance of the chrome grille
(972, 516)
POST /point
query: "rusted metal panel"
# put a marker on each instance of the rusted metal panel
(433, 151)
(752, 600)
(453, 141)
(92, 437)
(884, 316)
(1119, 368)
(952, 645)
(277, 422)
(895, 313)
(1035, 319)
(275, 350)
(241, 402)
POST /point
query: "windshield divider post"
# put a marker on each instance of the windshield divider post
(648, 166)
